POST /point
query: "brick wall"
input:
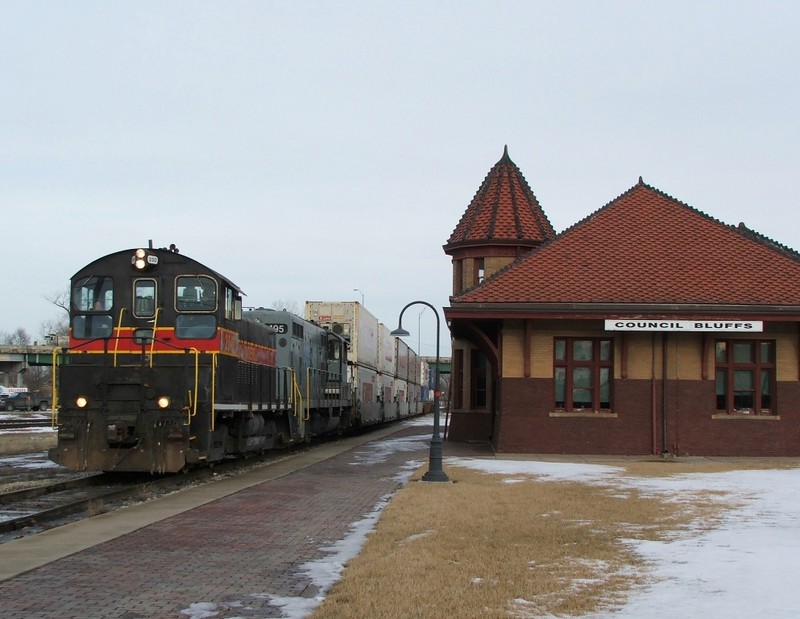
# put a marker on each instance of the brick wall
(469, 426)
(526, 425)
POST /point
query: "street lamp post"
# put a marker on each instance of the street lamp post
(419, 330)
(435, 471)
(362, 295)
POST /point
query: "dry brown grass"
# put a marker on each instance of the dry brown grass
(481, 547)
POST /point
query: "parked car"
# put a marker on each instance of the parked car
(20, 401)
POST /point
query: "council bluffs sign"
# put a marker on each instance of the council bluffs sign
(736, 326)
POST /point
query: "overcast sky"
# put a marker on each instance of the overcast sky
(306, 149)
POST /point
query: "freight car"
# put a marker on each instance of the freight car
(164, 369)
(386, 375)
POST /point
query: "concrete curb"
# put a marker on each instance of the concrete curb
(14, 443)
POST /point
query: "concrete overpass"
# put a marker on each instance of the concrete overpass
(15, 359)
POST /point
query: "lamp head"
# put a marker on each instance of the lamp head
(400, 332)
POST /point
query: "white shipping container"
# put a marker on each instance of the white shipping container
(350, 319)
(413, 367)
(401, 397)
(368, 390)
(402, 356)
(386, 350)
(424, 380)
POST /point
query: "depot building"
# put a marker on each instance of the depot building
(649, 327)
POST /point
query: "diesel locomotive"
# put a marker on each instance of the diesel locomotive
(165, 369)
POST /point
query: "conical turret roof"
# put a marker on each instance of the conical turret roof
(504, 211)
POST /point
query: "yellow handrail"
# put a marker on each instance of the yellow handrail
(295, 395)
(192, 393)
(116, 339)
(153, 341)
(307, 416)
(188, 409)
(214, 361)
(54, 394)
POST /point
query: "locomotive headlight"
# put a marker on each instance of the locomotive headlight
(163, 402)
(140, 259)
(81, 402)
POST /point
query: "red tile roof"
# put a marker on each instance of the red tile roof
(647, 247)
(503, 211)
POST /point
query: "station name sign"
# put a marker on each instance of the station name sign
(628, 324)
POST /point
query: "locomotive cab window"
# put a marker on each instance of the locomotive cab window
(195, 326)
(92, 300)
(93, 294)
(233, 305)
(144, 298)
(297, 330)
(92, 326)
(334, 349)
(195, 293)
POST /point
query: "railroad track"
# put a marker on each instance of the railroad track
(15, 424)
(35, 509)
(31, 506)
(38, 508)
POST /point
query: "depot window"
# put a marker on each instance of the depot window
(745, 376)
(583, 370)
(479, 273)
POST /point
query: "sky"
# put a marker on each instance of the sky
(327, 150)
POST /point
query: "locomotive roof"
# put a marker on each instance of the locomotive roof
(198, 267)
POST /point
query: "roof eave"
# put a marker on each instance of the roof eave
(528, 243)
(619, 310)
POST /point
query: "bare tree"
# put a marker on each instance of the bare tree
(19, 337)
(37, 380)
(288, 306)
(59, 298)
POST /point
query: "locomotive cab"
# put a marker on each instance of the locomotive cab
(151, 333)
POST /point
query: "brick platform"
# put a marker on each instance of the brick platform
(230, 557)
